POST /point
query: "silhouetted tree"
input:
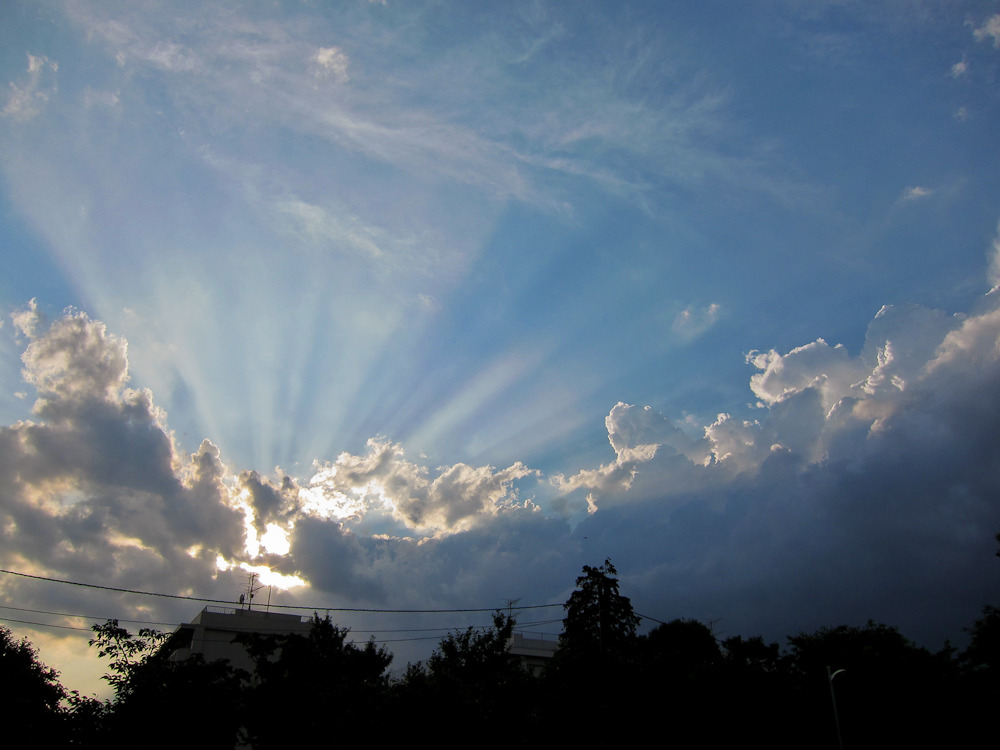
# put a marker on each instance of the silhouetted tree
(599, 622)
(30, 692)
(473, 677)
(983, 652)
(980, 665)
(475, 653)
(756, 693)
(685, 648)
(595, 665)
(892, 692)
(304, 685)
(127, 654)
(677, 672)
(751, 656)
(151, 687)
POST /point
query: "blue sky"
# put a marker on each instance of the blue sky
(464, 296)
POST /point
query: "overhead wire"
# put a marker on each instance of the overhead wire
(439, 632)
(227, 602)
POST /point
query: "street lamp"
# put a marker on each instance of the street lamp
(833, 698)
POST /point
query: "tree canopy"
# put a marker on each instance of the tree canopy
(30, 692)
(317, 678)
(599, 621)
(303, 687)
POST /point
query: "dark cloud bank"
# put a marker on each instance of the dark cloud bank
(868, 486)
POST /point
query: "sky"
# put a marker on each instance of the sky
(426, 305)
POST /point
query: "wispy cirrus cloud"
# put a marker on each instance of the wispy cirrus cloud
(26, 99)
(690, 323)
(331, 61)
(915, 193)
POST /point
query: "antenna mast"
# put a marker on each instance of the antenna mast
(252, 588)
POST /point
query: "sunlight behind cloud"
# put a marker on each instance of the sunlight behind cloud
(268, 577)
(383, 269)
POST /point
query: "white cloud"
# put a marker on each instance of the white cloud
(97, 485)
(632, 444)
(971, 351)
(813, 400)
(994, 262)
(691, 322)
(991, 28)
(959, 69)
(901, 466)
(94, 97)
(638, 436)
(915, 193)
(829, 370)
(27, 319)
(25, 100)
(173, 57)
(319, 224)
(382, 480)
(827, 447)
(330, 61)
(76, 361)
(403, 117)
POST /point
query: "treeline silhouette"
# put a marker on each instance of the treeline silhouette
(845, 686)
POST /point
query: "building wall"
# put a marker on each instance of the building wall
(213, 631)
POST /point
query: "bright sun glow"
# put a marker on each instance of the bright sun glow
(275, 540)
(320, 498)
(268, 577)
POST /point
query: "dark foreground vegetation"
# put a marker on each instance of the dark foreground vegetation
(606, 684)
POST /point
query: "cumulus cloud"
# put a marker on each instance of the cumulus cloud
(616, 476)
(27, 319)
(459, 497)
(829, 370)
(75, 363)
(863, 483)
(269, 503)
(96, 487)
(815, 393)
(638, 436)
(813, 401)
(860, 485)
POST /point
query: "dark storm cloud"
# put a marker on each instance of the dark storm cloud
(866, 487)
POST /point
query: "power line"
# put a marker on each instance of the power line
(43, 624)
(441, 631)
(86, 617)
(647, 617)
(227, 602)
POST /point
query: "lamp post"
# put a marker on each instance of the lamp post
(833, 698)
